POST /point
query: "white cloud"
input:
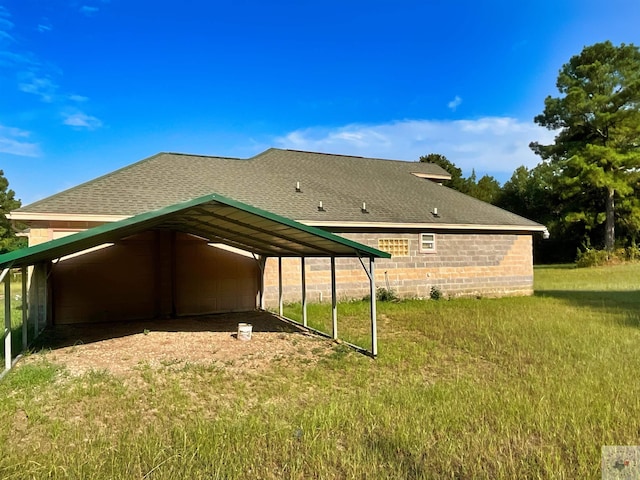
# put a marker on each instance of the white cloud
(41, 86)
(6, 26)
(455, 103)
(45, 25)
(82, 120)
(78, 98)
(494, 145)
(14, 141)
(88, 10)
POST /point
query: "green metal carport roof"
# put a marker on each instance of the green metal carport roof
(214, 217)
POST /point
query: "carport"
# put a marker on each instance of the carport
(213, 219)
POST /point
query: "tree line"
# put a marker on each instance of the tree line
(586, 189)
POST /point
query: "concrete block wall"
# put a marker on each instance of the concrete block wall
(463, 264)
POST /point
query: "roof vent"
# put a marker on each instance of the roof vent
(298, 187)
(364, 208)
(321, 207)
(435, 212)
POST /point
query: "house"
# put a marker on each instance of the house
(198, 263)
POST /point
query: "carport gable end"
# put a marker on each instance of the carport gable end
(252, 229)
(212, 217)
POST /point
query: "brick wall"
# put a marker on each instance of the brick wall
(463, 264)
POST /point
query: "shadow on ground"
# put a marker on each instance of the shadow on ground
(611, 301)
(59, 336)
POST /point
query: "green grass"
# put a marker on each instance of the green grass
(16, 319)
(508, 388)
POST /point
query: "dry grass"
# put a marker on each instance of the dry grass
(120, 349)
(493, 388)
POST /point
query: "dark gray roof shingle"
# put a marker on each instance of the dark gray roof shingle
(268, 181)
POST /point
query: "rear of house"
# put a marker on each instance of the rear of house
(437, 237)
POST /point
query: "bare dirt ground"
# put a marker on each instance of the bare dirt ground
(119, 348)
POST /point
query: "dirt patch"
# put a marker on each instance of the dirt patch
(119, 348)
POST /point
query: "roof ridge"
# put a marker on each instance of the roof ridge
(194, 155)
(378, 159)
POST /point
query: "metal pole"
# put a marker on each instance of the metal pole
(261, 263)
(304, 292)
(25, 320)
(35, 285)
(280, 310)
(7, 322)
(334, 301)
(45, 316)
(374, 320)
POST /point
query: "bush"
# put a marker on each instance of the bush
(386, 295)
(591, 257)
(633, 253)
(435, 293)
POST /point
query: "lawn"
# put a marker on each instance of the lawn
(527, 387)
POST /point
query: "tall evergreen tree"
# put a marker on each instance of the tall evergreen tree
(597, 148)
(8, 202)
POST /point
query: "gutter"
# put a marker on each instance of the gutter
(428, 226)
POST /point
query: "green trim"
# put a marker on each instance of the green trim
(113, 231)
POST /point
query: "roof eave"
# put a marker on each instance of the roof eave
(425, 226)
(65, 217)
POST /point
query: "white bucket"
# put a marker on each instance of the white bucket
(244, 331)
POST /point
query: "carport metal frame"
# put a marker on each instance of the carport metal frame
(213, 217)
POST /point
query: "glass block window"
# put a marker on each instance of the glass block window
(427, 242)
(397, 247)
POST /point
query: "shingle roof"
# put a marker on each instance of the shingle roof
(268, 181)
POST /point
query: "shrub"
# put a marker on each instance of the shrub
(386, 295)
(435, 293)
(591, 257)
(633, 253)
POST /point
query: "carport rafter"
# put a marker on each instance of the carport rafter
(242, 245)
(269, 233)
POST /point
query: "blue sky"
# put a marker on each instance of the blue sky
(88, 86)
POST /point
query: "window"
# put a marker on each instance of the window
(427, 242)
(397, 247)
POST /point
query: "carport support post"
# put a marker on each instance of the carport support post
(374, 320)
(334, 300)
(280, 286)
(7, 321)
(261, 261)
(304, 292)
(25, 321)
(36, 286)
